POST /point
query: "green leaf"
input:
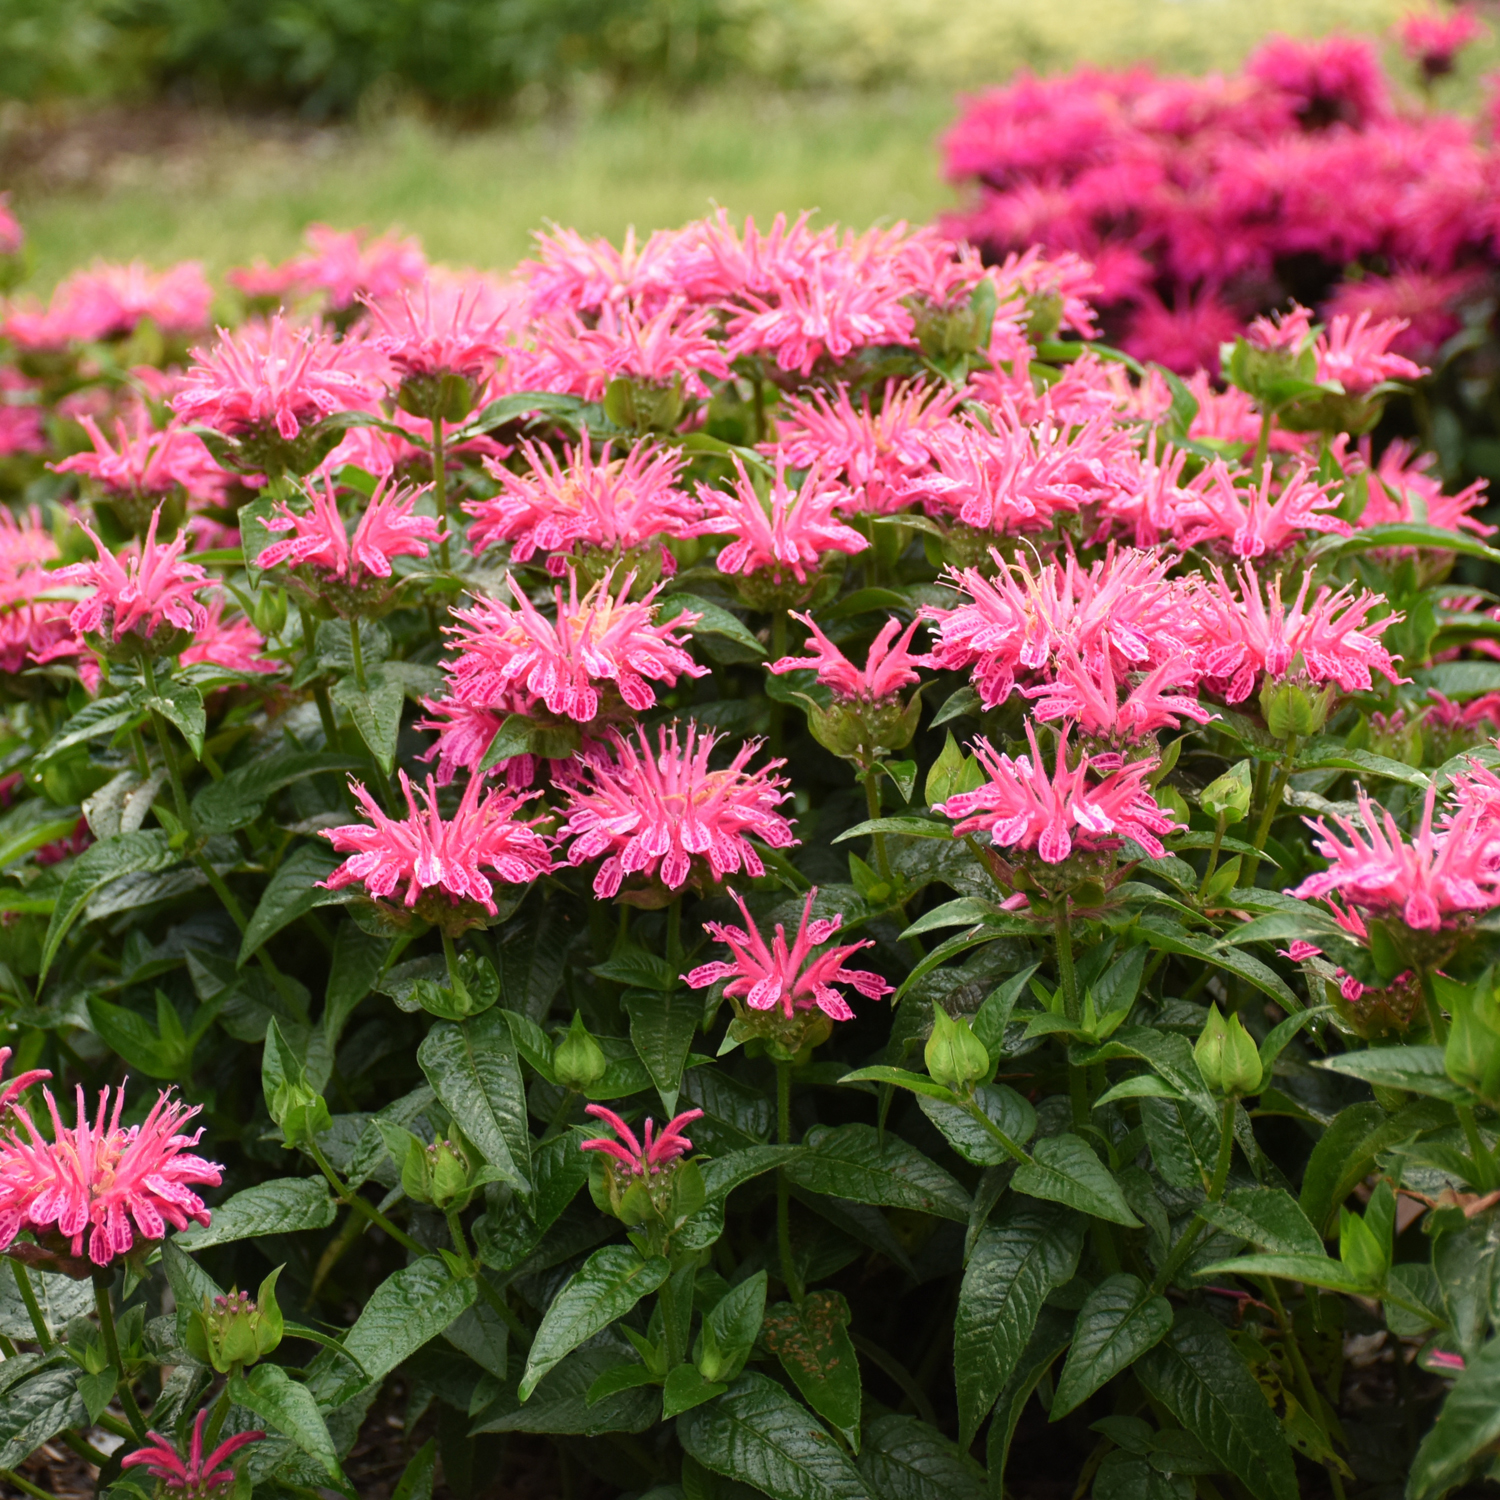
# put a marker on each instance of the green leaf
(964, 912)
(1418, 1069)
(293, 891)
(376, 712)
(37, 1409)
(1171, 937)
(417, 1478)
(851, 1161)
(1197, 1374)
(1330, 756)
(130, 1034)
(415, 1304)
(180, 703)
(961, 701)
(757, 1434)
(1119, 1321)
(474, 1068)
(901, 1078)
(640, 970)
(715, 620)
(93, 721)
(903, 1458)
(1010, 1112)
(629, 1375)
(561, 1404)
(237, 800)
(1468, 1424)
(1064, 1169)
(1054, 1329)
(1461, 679)
(1268, 1217)
(1403, 534)
(731, 1327)
(290, 1408)
(662, 1023)
(1128, 1476)
(1341, 1157)
(1026, 1250)
(685, 1388)
(125, 854)
(358, 960)
(286, 1205)
(608, 1284)
(908, 827)
(1311, 1270)
(481, 1333)
(813, 1346)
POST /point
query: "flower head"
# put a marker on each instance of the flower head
(441, 331)
(794, 536)
(602, 640)
(12, 1089)
(107, 301)
(1432, 38)
(1253, 524)
(1357, 353)
(774, 976)
(136, 594)
(1022, 807)
(146, 464)
(99, 1178)
(447, 856)
(889, 667)
(654, 812)
(641, 1158)
(194, 1477)
(343, 265)
(1088, 693)
(610, 504)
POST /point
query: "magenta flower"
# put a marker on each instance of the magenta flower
(1185, 336)
(653, 813)
(136, 593)
(1022, 807)
(107, 301)
(1241, 636)
(641, 1158)
(612, 504)
(1429, 882)
(343, 266)
(796, 535)
(148, 463)
(1432, 38)
(875, 454)
(387, 528)
(572, 274)
(602, 639)
(267, 376)
(99, 1178)
(12, 1090)
(1356, 353)
(432, 853)
(194, 1477)
(889, 667)
(1428, 303)
(1281, 332)
(789, 979)
(442, 331)
(1254, 523)
(1087, 693)
(1403, 488)
(1323, 81)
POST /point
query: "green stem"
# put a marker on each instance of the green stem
(505, 1311)
(450, 958)
(25, 1486)
(168, 754)
(1213, 855)
(1272, 807)
(440, 486)
(783, 1192)
(460, 1241)
(1226, 1153)
(112, 1349)
(320, 689)
(1434, 1011)
(872, 807)
(33, 1307)
(1010, 1147)
(357, 652)
(1065, 970)
(778, 650)
(360, 1204)
(230, 903)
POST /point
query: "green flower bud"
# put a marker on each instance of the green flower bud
(269, 614)
(1293, 710)
(955, 1057)
(1229, 796)
(449, 397)
(437, 1174)
(578, 1061)
(301, 1112)
(642, 407)
(236, 1330)
(1227, 1056)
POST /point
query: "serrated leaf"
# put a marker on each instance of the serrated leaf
(130, 1034)
(286, 1205)
(1026, 1250)
(290, 1408)
(1010, 1112)
(1417, 1069)
(901, 1078)
(608, 1284)
(294, 890)
(1054, 1328)
(964, 912)
(474, 1068)
(1468, 1424)
(1118, 1322)
(685, 1388)
(1311, 1270)
(180, 703)
(814, 1349)
(417, 1478)
(109, 859)
(662, 1025)
(908, 827)
(560, 1403)
(904, 1458)
(851, 1161)
(1197, 1374)
(1268, 1217)
(757, 1434)
(376, 711)
(713, 620)
(96, 720)
(1064, 1169)
(415, 1304)
(237, 800)
(37, 1409)
(1171, 937)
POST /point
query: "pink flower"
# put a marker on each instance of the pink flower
(1241, 637)
(654, 812)
(195, 1477)
(874, 454)
(137, 593)
(1184, 337)
(1334, 79)
(1428, 304)
(572, 274)
(1254, 524)
(1087, 693)
(12, 236)
(1428, 883)
(1355, 352)
(888, 668)
(1020, 620)
(234, 644)
(103, 1176)
(1402, 488)
(344, 267)
(107, 301)
(26, 546)
(794, 537)
(1281, 332)
(387, 528)
(271, 375)
(441, 332)
(641, 1158)
(149, 463)
(771, 977)
(1432, 39)
(1022, 807)
(613, 505)
(12, 1090)
(39, 633)
(464, 732)
(601, 639)
(433, 853)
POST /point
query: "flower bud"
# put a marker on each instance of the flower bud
(448, 397)
(269, 613)
(437, 1174)
(641, 407)
(300, 1111)
(578, 1062)
(1229, 796)
(955, 1057)
(1290, 709)
(233, 1331)
(1227, 1056)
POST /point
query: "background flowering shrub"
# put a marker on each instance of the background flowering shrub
(757, 863)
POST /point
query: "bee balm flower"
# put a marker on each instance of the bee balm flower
(194, 1477)
(641, 1158)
